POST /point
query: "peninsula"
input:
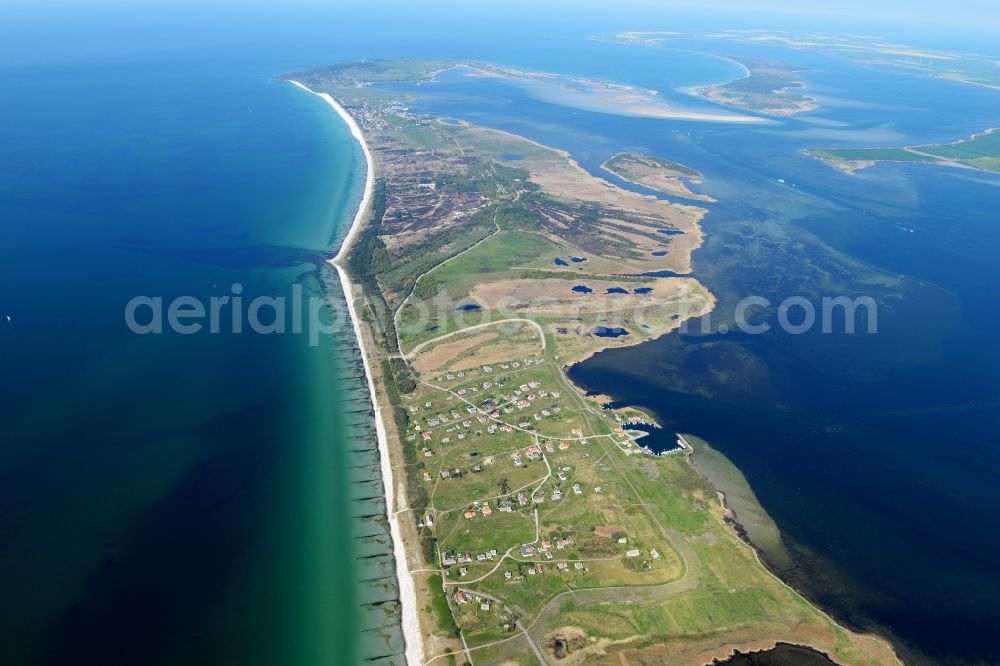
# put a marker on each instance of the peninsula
(980, 152)
(531, 525)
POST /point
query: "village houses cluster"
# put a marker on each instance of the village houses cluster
(456, 424)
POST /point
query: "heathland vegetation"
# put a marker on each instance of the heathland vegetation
(536, 526)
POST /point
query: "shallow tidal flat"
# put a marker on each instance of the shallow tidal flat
(748, 515)
(602, 96)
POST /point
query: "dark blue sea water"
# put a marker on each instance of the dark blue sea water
(183, 498)
(163, 494)
(190, 499)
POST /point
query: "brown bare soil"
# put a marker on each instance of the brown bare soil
(438, 356)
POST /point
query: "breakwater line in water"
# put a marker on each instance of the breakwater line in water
(403, 608)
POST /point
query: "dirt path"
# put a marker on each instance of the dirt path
(538, 327)
(402, 303)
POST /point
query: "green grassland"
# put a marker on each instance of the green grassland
(870, 154)
(364, 72)
(403, 272)
(580, 529)
(439, 603)
(475, 535)
(981, 151)
(456, 495)
(973, 151)
(703, 588)
(514, 650)
(499, 256)
(496, 258)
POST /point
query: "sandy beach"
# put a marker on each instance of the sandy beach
(407, 592)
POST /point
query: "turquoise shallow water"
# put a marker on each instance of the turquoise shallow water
(171, 498)
(214, 499)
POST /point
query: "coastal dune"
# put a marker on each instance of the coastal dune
(407, 592)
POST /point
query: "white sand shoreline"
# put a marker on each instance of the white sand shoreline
(407, 592)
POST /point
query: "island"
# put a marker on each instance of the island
(658, 174)
(980, 152)
(967, 68)
(531, 522)
(769, 87)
